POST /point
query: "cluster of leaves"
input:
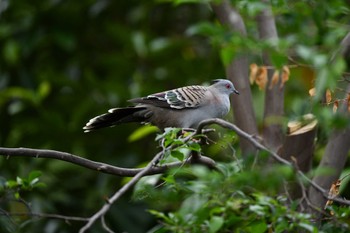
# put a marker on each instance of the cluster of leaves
(240, 196)
(178, 143)
(21, 184)
(234, 200)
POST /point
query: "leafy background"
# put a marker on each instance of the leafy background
(63, 62)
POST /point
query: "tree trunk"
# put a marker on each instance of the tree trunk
(298, 147)
(274, 98)
(237, 71)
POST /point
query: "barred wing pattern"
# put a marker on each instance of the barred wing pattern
(180, 98)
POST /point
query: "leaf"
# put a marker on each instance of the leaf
(11, 184)
(11, 52)
(142, 132)
(333, 192)
(335, 106)
(253, 71)
(34, 175)
(258, 227)
(275, 78)
(285, 75)
(194, 147)
(44, 89)
(308, 227)
(348, 101)
(19, 180)
(312, 92)
(215, 223)
(261, 77)
(328, 96)
(177, 154)
(259, 210)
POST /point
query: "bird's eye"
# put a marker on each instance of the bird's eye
(228, 86)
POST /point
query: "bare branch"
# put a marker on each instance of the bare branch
(119, 193)
(344, 47)
(45, 215)
(93, 165)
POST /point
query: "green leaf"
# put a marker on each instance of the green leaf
(44, 89)
(258, 227)
(308, 227)
(215, 223)
(11, 52)
(34, 175)
(142, 132)
(194, 147)
(11, 184)
(177, 154)
(19, 180)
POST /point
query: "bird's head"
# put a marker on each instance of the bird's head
(224, 86)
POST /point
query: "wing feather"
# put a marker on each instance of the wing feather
(180, 98)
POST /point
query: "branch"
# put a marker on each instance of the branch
(119, 193)
(93, 165)
(274, 155)
(44, 215)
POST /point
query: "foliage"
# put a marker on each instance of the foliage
(64, 62)
(234, 201)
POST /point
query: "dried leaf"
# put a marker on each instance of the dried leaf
(253, 71)
(348, 101)
(333, 192)
(285, 75)
(328, 96)
(261, 77)
(275, 78)
(335, 106)
(312, 92)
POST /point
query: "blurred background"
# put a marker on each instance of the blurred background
(64, 62)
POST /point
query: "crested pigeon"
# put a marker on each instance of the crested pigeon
(184, 107)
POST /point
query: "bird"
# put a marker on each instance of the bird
(184, 107)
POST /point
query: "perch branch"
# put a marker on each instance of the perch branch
(274, 155)
(93, 165)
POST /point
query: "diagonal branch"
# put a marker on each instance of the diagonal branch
(119, 193)
(322, 191)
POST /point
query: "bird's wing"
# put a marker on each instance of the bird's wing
(180, 98)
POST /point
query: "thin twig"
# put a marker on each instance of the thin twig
(44, 215)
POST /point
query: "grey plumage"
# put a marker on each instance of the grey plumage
(183, 107)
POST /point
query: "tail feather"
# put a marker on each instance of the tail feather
(115, 116)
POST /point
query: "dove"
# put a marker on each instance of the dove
(184, 107)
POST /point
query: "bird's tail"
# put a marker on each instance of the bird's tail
(115, 116)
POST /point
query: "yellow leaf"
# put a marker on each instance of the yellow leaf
(333, 192)
(253, 71)
(285, 75)
(275, 78)
(335, 106)
(312, 92)
(328, 96)
(261, 77)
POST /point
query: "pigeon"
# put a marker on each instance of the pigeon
(184, 107)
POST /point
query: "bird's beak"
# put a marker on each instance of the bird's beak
(236, 92)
